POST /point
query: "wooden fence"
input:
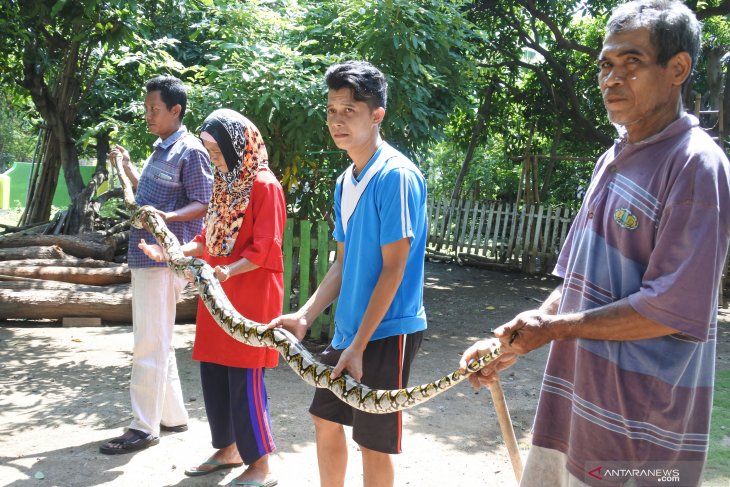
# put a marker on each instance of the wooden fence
(308, 252)
(523, 237)
(520, 237)
(527, 238)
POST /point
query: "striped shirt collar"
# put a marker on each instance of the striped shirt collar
(166, 143)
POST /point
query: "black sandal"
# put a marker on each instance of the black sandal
(137, 440)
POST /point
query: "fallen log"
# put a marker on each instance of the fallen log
(65, 262)
(31, 283)
(122, 226)
(33, 252)
(77, 275)
(75, 245)
(56, 300)
(118, 240)
(12, 229)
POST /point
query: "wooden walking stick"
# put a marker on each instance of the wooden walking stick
(505, 424)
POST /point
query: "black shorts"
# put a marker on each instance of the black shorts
(386, 364)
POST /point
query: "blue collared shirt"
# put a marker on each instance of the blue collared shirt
(385, 204)
(176, 174)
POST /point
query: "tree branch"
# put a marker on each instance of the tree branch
(92, 77)
(567, 85)
(560, 39)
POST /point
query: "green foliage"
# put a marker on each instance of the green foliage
(112, 208)
(116, 104)
(254, 66)
(161, 43)
(716, 31)
(440, 165)
(542, 58)
(421, 46)
(267, 59)
(18, 130)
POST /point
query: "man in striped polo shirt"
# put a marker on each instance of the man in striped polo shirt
(627, 393)
(178, 182)
(380, 229)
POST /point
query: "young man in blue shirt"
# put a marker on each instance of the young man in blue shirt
(381, 229)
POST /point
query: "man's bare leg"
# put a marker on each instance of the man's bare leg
(377, 468)
(331, 452)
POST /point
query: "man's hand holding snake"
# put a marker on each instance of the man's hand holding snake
(490, 373)
(526, 332)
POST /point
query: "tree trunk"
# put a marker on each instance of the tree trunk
(58, 108)
(726, 103)
(714, 83)
(481, 120)
(56, 300)
(547, 175)
(42, 185)
(482, 115)
(83, 210)
(102, 149)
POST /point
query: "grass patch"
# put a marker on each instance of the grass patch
(717, 471)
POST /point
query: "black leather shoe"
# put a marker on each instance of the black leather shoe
(174, 429)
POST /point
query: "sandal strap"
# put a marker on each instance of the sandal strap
(122, 440)
(141, 435)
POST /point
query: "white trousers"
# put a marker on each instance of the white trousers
(155, 385)
(547, 468)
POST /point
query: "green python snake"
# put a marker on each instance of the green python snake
(294, 353)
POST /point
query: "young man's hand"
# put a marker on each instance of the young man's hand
(294, 324)
(350, 360)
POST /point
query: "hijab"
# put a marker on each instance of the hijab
(245, 154)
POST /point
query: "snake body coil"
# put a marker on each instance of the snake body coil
(249, 332)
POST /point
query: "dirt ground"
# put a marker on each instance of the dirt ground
(63, 391)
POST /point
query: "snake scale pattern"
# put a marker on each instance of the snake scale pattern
(249, 332)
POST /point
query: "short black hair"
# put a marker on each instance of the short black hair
(366, 81)
(172, 91)
(673, 27)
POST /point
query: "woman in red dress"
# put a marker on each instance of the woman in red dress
(242, 241)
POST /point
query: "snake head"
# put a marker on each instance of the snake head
(137, 219)
(142, 217)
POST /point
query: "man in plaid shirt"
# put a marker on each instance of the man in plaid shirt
(177, 181)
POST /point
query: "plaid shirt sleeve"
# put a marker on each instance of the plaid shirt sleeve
(197, 177)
